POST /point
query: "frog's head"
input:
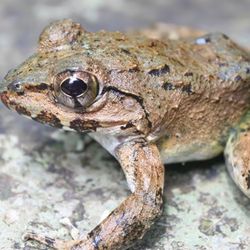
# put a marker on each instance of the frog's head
(65, 85)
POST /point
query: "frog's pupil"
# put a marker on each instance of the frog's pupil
(74, 86)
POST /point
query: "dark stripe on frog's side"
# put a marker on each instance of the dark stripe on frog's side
(48, 118)
(161, 71)
(136, 97)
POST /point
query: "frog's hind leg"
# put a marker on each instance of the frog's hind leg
(144, 171)
(237, 154)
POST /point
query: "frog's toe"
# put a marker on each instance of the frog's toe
(237, 154)
(50, 242)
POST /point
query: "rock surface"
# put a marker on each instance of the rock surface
(47, 175)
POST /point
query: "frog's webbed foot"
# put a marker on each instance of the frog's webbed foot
(145, 175)
(54, 243)
(237, 154)
(50, 242)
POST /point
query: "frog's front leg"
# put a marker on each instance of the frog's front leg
(237, 154)
(145, 174)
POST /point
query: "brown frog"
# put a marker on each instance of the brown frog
(147, 101)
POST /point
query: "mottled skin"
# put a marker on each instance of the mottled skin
(148, 102)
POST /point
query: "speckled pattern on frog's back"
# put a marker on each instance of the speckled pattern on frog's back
(219, 95)
(193, 92)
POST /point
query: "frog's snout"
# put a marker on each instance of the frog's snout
(7, 88)
(15, 87)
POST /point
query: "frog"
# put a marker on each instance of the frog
(147, 101)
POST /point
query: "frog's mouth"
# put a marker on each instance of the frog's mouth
(38, 107)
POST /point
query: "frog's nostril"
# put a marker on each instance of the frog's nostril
(15, 86)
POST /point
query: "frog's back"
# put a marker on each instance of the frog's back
(193, 91)
(206, 98)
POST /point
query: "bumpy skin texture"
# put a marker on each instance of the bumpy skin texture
(147, 101)
(237, 154)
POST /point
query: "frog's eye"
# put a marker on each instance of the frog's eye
(76, 88)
